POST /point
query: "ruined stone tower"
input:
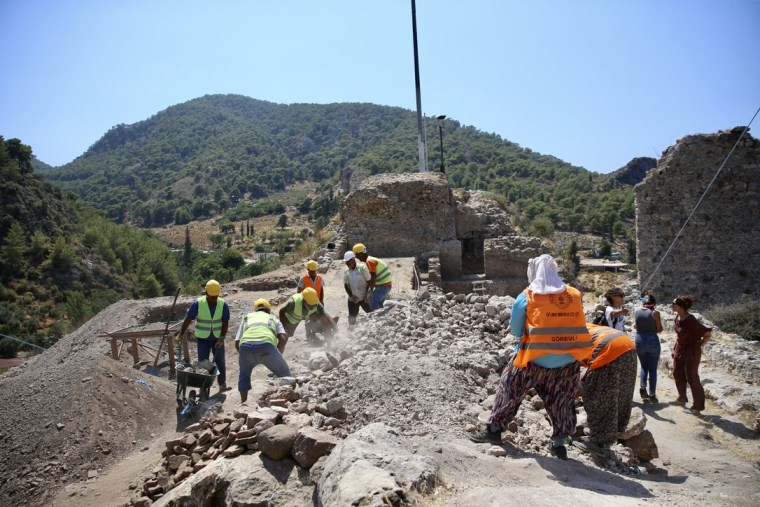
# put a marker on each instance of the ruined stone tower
(715, 258)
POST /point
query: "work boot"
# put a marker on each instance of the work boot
(486, 436)
(643, 393)
(653, 399)
(223, 387)
(560, 451)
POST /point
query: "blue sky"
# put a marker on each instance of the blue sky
(595, 83)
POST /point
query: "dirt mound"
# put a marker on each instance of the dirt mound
(71, 412)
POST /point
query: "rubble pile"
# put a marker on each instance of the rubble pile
(428, 367)
(273, 430)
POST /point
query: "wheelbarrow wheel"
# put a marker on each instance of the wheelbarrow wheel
(205, 393)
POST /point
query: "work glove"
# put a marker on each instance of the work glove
(219, 343)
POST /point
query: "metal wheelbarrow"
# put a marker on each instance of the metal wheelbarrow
(187, 379)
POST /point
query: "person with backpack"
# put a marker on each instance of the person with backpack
(615, 312)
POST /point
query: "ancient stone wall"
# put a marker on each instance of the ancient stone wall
(715, 257)
(416, 214)
(400, 214)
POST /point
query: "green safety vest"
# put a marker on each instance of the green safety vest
(205, 323)
(383, 274)
(260, 327)
(297, 315)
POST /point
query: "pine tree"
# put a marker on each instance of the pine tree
(187, 254)
(15, 247)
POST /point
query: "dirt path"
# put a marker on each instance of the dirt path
(708, 460)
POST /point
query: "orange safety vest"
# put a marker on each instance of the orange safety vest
(609, 344)
(316, 284)
(554, 324)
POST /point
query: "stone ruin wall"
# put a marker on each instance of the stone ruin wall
(417, 214)
(399, 215)
(715, 258)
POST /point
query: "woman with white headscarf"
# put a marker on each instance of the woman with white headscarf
(549, 324)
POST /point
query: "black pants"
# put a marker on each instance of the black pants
(353, 310)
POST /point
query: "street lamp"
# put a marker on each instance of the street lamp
(440, 136)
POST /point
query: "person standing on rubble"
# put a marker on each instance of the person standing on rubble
(356, 279)
(212, 316)
(607, 386)
(305, 306)
(260, 339)
(549, 324)
(316, 282)
(380, 276)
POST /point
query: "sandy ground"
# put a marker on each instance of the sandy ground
(713, 459)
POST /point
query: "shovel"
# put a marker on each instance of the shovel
(155, 370)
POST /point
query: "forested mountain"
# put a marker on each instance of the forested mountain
(203, 157)
(61, 260)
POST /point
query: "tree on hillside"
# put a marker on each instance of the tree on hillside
(21, 153)
(187, 253)
(282, 222)
(542, 227)
(14, 248)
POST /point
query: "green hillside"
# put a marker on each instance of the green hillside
(61, 260)
(202, 158)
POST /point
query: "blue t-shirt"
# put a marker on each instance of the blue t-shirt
(192, 313)
(517, 324)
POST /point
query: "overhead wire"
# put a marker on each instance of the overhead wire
(678, 234)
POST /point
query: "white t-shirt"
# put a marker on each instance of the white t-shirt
(357, 279)
(618, 322)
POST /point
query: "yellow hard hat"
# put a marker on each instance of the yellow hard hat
(359, 248)
(213, 288)
(312, 265)
(261, 302)
(310, 296)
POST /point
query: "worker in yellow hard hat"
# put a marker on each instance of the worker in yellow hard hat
(315, 281)
(212, 316)
(380, 276)
(260, 339)
(302, 306)
(312, 279)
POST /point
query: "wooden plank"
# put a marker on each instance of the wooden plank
(114, 348)
(135, 355)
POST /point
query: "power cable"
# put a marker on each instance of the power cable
(21, 341)
(672, 244)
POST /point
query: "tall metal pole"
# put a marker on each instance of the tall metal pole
(440, 135)
(420, 133)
